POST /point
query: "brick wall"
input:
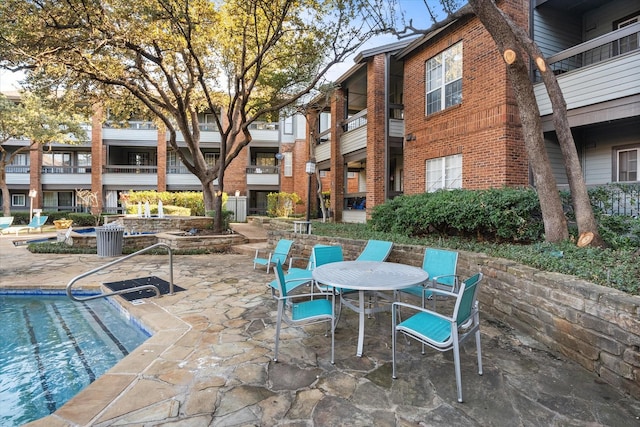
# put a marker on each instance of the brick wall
(484, 128)
(595, 326)
(376, 132)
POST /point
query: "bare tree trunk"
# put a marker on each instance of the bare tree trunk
(323, 208)
(555, 223)
(585, 219)
(6, 197)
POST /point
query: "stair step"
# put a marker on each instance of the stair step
(248, 248)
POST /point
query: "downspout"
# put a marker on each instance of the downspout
(387, 69)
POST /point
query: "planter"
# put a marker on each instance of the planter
(61, 224)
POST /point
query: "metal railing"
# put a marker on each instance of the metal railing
(356, 121)
(123, 291)
(66, 169)
(253, 169)
(596, 50)
(130, 169)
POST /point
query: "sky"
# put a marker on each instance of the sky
(413, 9)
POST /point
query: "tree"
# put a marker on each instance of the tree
(37, 121)
(512, 41)
(240, 60)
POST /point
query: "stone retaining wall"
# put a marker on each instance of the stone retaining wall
(595, 326)
(157, 225)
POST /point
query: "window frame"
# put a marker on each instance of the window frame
(438, 79)
(616, 162)
(446, 166)
(15, 199)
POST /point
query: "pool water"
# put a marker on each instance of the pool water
(51, 348)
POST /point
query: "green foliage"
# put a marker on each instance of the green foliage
(192, 200)
(619, 269)
(505, 214)
(63, 248)
(226, 218)
(281, 205)
(610, 203)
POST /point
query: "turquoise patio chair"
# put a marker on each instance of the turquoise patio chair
(441, 265)
(279, 253)
(305, 312)
(298, 276)
(375, 250)
(441, 332)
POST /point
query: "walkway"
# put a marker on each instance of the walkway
(209, 363)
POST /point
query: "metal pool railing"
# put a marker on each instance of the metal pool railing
(123, 291)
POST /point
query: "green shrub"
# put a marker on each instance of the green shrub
(505, 214)
(281, 205)
(614, 268)
(226, 218)
(192, 200)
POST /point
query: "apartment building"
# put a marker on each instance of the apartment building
(136, 156)
(439, 112)
(409, 117)
(593, 47)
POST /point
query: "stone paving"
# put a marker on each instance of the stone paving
(209, 362)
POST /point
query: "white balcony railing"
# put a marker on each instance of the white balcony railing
(263, 175)
(607, 46)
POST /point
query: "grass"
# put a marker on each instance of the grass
(618, 269)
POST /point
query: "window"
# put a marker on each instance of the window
(444, 79)
(444, 172)
(265, 159)
(18, 200)
(288, 164)
(19, 164)
(139, 159)
(56, 162)
(288, 125)
(627, 165)
(628, 43)
(84, 163)
(210, 159)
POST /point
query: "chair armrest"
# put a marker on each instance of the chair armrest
(423, 310)
(442, 292)
(433, 281)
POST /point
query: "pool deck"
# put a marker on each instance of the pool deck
(209, 362)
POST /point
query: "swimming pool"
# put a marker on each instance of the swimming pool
(51, 348)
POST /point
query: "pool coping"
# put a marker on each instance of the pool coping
(98, 402)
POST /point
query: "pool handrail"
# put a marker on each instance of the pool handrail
(123, 291)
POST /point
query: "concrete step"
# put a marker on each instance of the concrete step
(249, 248)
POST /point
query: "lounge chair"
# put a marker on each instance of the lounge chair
(279, 253)
(5, 222)
(443, 332)
(36, 223)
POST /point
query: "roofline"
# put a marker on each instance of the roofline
(387, 48)
(419, 42)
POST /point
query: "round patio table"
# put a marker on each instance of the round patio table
(363, 276)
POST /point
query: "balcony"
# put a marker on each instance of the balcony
(126, 175)
(60, 175)
(134, 131)
(18, 175)
(355, 133)
(208, 133)
(263, 175)
(598, 71)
